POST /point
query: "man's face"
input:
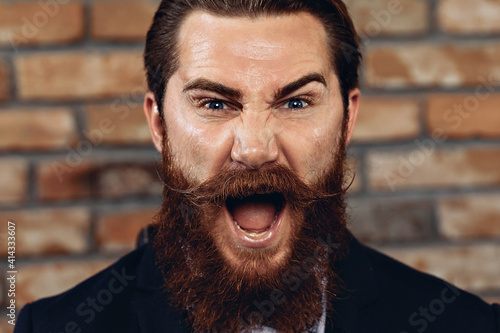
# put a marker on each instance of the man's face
(255, 126)
(248, 93)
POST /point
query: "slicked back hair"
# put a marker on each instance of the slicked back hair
(161, 56)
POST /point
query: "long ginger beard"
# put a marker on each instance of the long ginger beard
(217, 296)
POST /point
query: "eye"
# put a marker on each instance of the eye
(216, 105)
(295, 103)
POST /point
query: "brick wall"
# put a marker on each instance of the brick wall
(76, 159)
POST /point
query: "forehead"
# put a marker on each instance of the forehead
(262, 49)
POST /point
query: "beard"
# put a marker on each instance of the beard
(216, 295)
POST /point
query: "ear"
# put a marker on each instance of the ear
(354, 101)
(154, 120)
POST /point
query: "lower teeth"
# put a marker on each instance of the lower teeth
(256, 234)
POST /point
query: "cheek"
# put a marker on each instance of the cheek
(322, 152)
(198, 149)
(309, 147)
(183, 140)
(185, 152)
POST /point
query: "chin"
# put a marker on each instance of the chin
(251, 254)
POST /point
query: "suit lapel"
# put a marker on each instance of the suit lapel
(154, 312)
(156, 315)
(359, 291)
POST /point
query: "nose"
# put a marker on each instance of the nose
(254, 141)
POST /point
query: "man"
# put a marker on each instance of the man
(251, 104)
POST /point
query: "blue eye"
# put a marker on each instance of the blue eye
(215, 105)
(296, 104)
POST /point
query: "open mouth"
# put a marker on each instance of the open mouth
(256, 216)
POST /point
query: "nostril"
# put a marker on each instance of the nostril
(254, 157)
(254, 154)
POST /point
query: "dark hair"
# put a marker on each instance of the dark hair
(161, 53)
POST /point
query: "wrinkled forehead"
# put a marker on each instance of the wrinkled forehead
(258, 48)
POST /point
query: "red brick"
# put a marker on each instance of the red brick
(387, 119)
(374, 18)
(120, 179)
(123, 180)
(118, 124)
(60, 180)
(433, 65)
(67, 76)
(37, 22)
(469, 17)
(13, 180)
(36, 281)
(468, 267)
(465, 116)
(422, 166)
(473, 216)
(118, 231)
(4, 82)
(50, 231)
(73, 179)
(37, 129)
(397, 221)
(130, 19)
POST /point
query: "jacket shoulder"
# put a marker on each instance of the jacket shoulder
(103, 300)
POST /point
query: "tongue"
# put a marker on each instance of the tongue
(254, 216)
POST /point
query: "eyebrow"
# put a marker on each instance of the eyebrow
(204, 84)
(291, 87)
(234, 94)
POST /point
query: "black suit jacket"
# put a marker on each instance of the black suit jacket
(381, 296)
